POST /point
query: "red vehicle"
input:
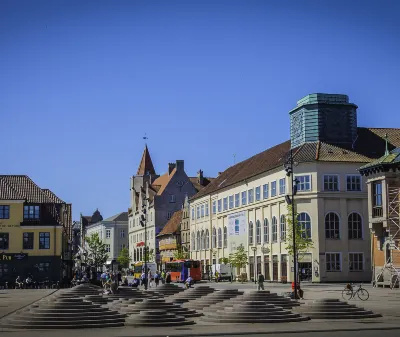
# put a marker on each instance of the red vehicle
(181, 269)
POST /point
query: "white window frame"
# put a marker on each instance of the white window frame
(108, 233)
(273, 183)
(250, 197)
(122, 233)
(274, 229)
(244, 198)
(258, 232)
(214, 207)
(108, 248)
(362, 261)
(351, 176)
(225, 203)
(266, 191)
(340, 260)
(231, 201)
(219, 205)
(282, 187)
(331, 175)
(197, 212)
(202, 210)
(362, 226)
(334, 229)
(193, 212)
(266, 232)
(258, 193)
(251, 233)
(282, 227)
(207, 212)
(304, 183)
(237, 200)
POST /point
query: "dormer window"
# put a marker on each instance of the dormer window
(31, 212)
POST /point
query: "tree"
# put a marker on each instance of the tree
(303, 243)
(123, 259)
(149, 255)
(239, 258)
(96, 251)
(179, 254)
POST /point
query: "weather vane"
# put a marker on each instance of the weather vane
(145, 137)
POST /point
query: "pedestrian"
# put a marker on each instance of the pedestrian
(149, 278)
(260, 281)
(168, 277)
(156, 278)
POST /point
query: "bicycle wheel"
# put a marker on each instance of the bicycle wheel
(347, 294)
(362, 294)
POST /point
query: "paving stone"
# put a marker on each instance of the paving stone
(157, 318)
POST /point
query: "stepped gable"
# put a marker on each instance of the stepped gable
(331, 308)
(191, 294)
(212, 298)
(253, 312)
(168, 289)
(157, 318)
(63, 313)
(264, 296)
(157, 303)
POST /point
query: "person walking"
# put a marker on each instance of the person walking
(157, 278)
(260, 285)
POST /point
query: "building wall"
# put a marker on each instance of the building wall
(316, 203)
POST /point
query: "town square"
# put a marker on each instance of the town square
(197, 168)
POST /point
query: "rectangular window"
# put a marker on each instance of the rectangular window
(258, 193)
(265, 191)
(377, 210)
(237, 200)
(331, 183)
(273, 189)
(44, 240)
(244, 198)
(27, 240)
(172, 198)
(282, 186)
(169, 215)
(230, 201)
(206, 209)
(122, 233)
(108, 248)
(214, 207)
(356, 262)
(251, 196)
(219, 205)
(353, 183)
(202, 211)
(4, 212)
(192, 213)
(303, 183)
(333, 262)
(198, 212)
(225, 203)
(108, 233)
(31, 212)
(4, 240)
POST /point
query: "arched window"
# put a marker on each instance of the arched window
(355, 226)
(258, 232)
(225, 237)
(219, 238)
(266, 231)
(193, 241)
(198, 246)
(283, 228)
(332, 230)
(214, 238)
(207, 239)
(202, 242)
(251, 233)
(304, 221)
(274, 229)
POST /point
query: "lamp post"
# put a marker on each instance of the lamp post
(143, 223)
(254, 264)
(290, 201)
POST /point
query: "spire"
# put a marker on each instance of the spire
(386, 145)
(146, 165)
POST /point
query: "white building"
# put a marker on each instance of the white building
(247, 201)
(113, 232)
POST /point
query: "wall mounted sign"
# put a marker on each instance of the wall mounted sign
(12, 256)
(7, 226)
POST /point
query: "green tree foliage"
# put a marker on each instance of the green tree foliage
(179, 254)
(96, 251)
(224, 260)
(239, 258)
(149, 255)
(123, 259)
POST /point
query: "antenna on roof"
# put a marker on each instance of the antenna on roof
(386, 145)
(234, 158)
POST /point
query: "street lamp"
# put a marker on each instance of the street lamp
(143, 223)
(254, 264)
(290, 201)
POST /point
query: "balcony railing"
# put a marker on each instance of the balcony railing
(377, 211)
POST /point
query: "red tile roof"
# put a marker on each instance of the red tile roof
(172, 226)
(146, 164)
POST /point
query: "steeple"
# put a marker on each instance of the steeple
(146, 165)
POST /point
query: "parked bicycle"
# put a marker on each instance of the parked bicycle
(349, 292)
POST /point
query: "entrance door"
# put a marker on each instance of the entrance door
(305, 271)
(266, 268)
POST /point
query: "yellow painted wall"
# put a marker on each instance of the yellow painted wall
(12, 226)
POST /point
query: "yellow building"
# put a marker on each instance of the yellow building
(35, 227)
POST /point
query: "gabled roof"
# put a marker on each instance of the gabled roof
(161, 182)
(146, 164)
(123, 216)
(369, 145)
(52, 196)
(172, 226)
(196, 184)
(387, 161)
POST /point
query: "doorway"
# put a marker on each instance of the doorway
(305, 271)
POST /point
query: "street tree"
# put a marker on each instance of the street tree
(124, 259)
(180, 254)
(149, 255)
(239, 259)
(96, 251)
(303, 240)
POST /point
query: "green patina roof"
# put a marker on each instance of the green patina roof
(388, 159)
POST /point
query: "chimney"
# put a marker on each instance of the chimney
(171, 166)
(200, 177)
(180, 165)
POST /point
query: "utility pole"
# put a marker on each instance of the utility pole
(143, 223)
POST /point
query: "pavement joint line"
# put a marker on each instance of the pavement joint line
(23, 307)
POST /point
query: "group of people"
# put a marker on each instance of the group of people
(149, 278)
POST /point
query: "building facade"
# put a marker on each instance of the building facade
(185, 228)
(160, 196)
(245, 205)
(80, 226)
(383, 185)
(113, 232)
(35, 231)
(170, 237)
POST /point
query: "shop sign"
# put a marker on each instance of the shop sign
(12, 256)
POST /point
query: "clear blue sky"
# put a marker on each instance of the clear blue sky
(82, 81)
